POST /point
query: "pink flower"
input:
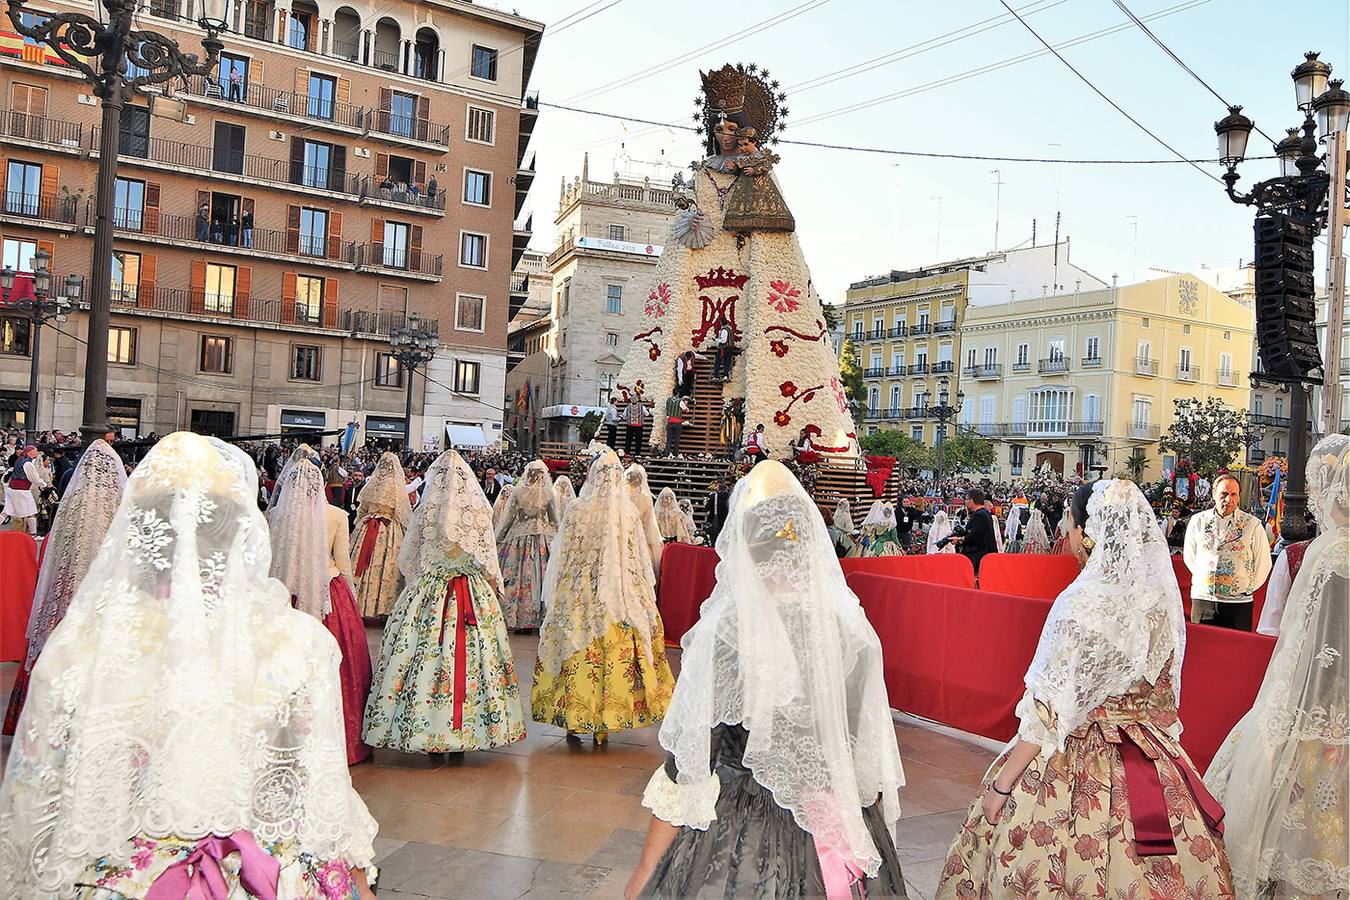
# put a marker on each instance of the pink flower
(779, 348)
(142, 858)
(787, 389)
(335, 879)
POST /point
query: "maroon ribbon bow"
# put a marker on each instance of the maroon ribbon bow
(199, 877)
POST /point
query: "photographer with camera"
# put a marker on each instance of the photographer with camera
(978, 538)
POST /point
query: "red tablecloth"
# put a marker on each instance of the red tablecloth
(688, 574)
(958, 656)
(1041, 575)
(938, 568)
(18, 576)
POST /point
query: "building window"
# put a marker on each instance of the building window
(305, 363)
(1278, 447)
(1057, 350)
(1141, 412)
(1143, 322)
(1016, 457)
(299, 29)
(217, 354)
(122, 345)
(1094, 347)
(1049, 412)
(318, 158)
(388, 371)
(1023, 354)
(469, 312)
(617, 233)
(1226, 364)
(1258, 401)
(322, 96)
(313, 232)
(970, 358)
(611, 339)
(614, 298)
(134, 136)
(18, 254)
(1228, 335)
(990, 356)
(23, 188)
(396, 245)
(233, 76)
(1019, 410)
(916, 432)
(402, 114)
(606, 387)
(1184, 362)
(473, 250)
(858, 330)
(895, 397)
(14, 333)
(873, 399)
(220, 282)
(1279, 407)
(466, 376)
(227, 154)
(477, 188)
(1185, 329)
(126, 276)
(308, 299)
(482, 125)
(1092, 408)
(484, 63)
(129, 204)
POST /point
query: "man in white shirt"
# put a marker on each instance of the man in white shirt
(612, 420)
(754, 445)
(23, 494)
(1229, 559)
(722, 362)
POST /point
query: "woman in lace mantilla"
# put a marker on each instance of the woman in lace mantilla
(1095, 796)
(445, 681)
(782, 775)
(524, 533)
(1283, 774)
(382, 517)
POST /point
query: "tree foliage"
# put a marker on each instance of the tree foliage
(965, 452)
(1204, 433)
(851, 377)
(831, 314)
(588, 426)
(908, 453)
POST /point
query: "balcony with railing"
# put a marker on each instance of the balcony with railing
(898, 331)
(1226, 378)
(1086, 429)
(413, 128)
(387, 258)
(920, 328)
(30, 129)
(1269, 421)
(874, 372)
(945, 326)
(1092, 362)
(520, 282)
(1055, 365)
(43, 208)
(876, 334)
(1142, 431)
(1145, 366)
(943, 367)
(919, 368)
(231, 233)
(1188, 373)
(1021, 367)
(250, 96)
(386, 191)
(896, 370)
(888, 413)
(366, 321)
(983, 373)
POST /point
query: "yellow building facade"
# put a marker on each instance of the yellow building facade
(1087, 379)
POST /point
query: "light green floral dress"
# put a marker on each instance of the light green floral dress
(444, 681)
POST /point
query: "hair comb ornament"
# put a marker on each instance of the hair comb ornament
(788, 532)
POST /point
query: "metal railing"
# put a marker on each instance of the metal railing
(920, 328)
(943, 366)
(899, 331)
(348, 50)
(386, 122)
(1141, 431)
(874, 372)
(1226, 378)
(994, 370)
(1092, 362)
(898, 369)
(1188, 373)
(258, 96)
(408, 195)
(1057, 365)
(876, 334)
(42, 207)
(377, 254)
(225, 233)
(944, 326)
(384, 59)
(1145, 366)
(1021, 367)
(41, 130)
(520, 282)
(1080, 429)
(918, 368)
(1271, 421)
(368, 321)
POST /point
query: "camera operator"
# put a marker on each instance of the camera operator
(978, 539)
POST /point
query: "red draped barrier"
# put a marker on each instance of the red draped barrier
(938, 568)
(958, 656)
(18, 577)
(688, 574)
(557, 465)
(1041, 575)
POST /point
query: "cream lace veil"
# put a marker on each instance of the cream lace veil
(566, 493)
(843, 517)
(881, 517)
(299, 528)
(640, 492)
(454, 515)
(670, 518)
(532, 508)
(1120, 620)
(386, 492)
(82, 520)
(1036, 540)
(301, 453)
(1278, 775)
(941, 528)
(782, 648)
(599, 570)
(181, 695)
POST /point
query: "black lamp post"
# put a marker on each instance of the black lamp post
(39, 309)
(101, 52)
(1299, 192)
(412, 346)
(942, 412)
(1250, 434)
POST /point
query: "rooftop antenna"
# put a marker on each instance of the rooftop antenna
(1134, 264)
(998, 197)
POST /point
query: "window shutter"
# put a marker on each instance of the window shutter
(288, 298)
(150, 220)
(297, 161)
(50, 247)
(381, 165)
(386, 108)
(335, 235)
(292, 229)
(344, 91)
(145, 292)
(338, 182)
(243, 289)
(302, 84)
(197, 297)
(420, 172)
(253, 74)
(423, 114)
(376, 242)
(51, 180)
(415, 248)
(330, 302)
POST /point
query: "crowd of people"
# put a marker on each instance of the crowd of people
(198, 678)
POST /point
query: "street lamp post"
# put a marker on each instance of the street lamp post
(944, 411)
(39, 309)
(101, 51)
(1251, 435)
(1301, 193)
(412, 345)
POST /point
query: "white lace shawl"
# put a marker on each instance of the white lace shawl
(532, 508)
(181, 695)
(599, 570)
(1275, 774)
(499, 505)
(1036, 540)
(302, 453)
(843, 517)
(454, 515)
(386, 492)
(880, 518)
(299, 528)
(566, 493)
(82, 520)
(941, 528)
(670, 519)
(782, 648)
(1013, 524)
(1119, 622)
(640, 492)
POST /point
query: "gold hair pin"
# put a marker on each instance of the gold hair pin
(788, 532)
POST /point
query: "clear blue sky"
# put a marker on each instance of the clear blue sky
(860, 214)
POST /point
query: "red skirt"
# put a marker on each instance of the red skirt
(344, 622)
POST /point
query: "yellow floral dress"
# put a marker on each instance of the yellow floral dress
(1069, 829)
(375, 574)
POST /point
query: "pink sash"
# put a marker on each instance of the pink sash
(839, 873)
(199, 876)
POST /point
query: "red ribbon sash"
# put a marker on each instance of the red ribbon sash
(464, 619)
(1148, 806)
(368, 544)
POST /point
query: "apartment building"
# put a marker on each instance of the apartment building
(343, 166)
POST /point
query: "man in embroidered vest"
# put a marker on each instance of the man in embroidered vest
(1229, 559)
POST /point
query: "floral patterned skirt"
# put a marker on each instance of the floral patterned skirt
(523, 562)
(445, 682)
(375, 574)
(609, 686)
(1068, 829)
(302, 877)
(344, 623)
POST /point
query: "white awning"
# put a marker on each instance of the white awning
(465, 436)
(571, 412)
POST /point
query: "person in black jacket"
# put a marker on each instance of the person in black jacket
(905, 520)
(979, 538)
(715, 509)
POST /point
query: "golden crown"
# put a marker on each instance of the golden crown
(744, 93)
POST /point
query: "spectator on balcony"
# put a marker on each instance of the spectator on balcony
(432, 190)
(203, 222)
(1229, 558)
(414, 192)
(236, 85)
(246, 227)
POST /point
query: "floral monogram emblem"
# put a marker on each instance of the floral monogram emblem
(783, 296)
(658, 300)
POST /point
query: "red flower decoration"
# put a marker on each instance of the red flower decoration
(782, 296)
(779, 348)
(655, 352)
(782, 419)
(658, 300)
(787, 389)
